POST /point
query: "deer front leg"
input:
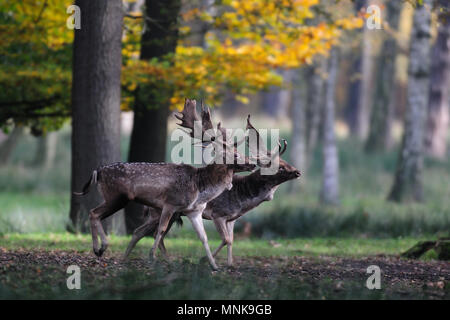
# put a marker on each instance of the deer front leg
(197, 222)
(230, 229)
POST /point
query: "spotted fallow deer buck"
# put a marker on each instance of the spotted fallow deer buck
(247, 193)
(166, 187)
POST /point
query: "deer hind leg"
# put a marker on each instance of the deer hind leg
(221, 227)
(96, 216)
(230, 230)
(197, 223)
(164, 221)
(147, 228)
(162, 247)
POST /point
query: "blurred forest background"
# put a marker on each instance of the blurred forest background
(365, 110)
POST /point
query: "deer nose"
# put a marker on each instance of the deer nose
(297, 173)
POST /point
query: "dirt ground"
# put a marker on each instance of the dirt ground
(400, 278)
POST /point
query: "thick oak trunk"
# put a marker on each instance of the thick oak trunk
(95, 101)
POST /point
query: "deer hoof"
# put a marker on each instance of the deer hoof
(101, 251)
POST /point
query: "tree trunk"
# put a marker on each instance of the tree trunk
(8, 145)
(329, 193)
(314, 102)
(151, 109)
(408, 177)
(365, 97)
(438, 107)
(382, 108)
(298, 115)
(277, 100)
(95, 102)
(355, 88)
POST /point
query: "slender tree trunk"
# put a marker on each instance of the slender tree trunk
(314, 102)
(365, 97)
(151, 109)
(382, 108)
(329, 193)
(298, 117)
(438, 107)
(8, 145)
(95, 101)
(408, 177)
(355, 88)
(277, 100)
(46, 150)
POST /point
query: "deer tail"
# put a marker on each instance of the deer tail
(92, 180)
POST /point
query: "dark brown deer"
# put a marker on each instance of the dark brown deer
(165, 187)
(247, 193)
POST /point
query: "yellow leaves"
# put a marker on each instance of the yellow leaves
(350, 23)
(250, 39)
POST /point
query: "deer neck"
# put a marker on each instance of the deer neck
(212, 180)
(254, 189)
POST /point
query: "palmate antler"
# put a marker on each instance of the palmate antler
(190, 119)
(261, 152)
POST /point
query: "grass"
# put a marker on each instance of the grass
(33, 266)
(191, 246)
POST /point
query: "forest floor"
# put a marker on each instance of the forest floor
(31, 267)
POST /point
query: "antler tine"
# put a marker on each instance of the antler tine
(188, 116)
(284, 146)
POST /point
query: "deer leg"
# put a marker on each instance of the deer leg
(197, 223)
(162, 247)
(94, 230)
(164, 220)
(223, 232)
(230, 229)
(97, 215)
(146, 229)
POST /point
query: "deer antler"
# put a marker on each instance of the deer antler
(189, 117)
(261, 150)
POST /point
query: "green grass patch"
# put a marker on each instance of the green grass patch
(343, 247)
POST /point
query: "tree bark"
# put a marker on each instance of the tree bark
(408, 177)
(151, 108)
(97, 65)
(438, 106)
(355, 90)
(382, 108)
(329, 193)
(314, 102)
(298, 117)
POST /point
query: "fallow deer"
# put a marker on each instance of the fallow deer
(165, 187)
(247, 193)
